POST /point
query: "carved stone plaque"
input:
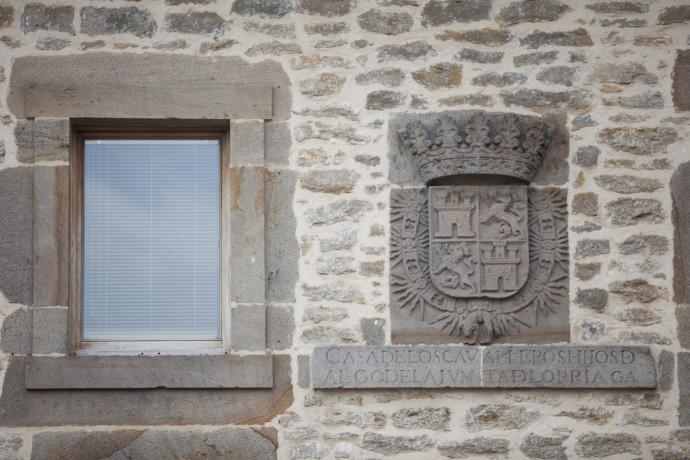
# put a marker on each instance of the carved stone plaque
(526, 366)
(480, 257)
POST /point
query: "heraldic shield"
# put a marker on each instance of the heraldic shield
(478, 240)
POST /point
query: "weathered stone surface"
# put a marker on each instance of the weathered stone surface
(341, 210)
(385, 22)
(680, 193)
(266, 8)
(395, 367)
(464, 99)
(272, 30)
(327, 28)
(647, 338)
(626, 184)
(638, 316)
(545, 447)
(474, 446)
(16, 332)
(430, 418)
(52, 44)
(50, 330)
(337, 292)
(385, 99)
(42, 140)
(657, 39)
(125, 20)
(6, 16)
(499, 416)
(325, 84)
(274, 48)
(391, 445)
(303, 378)
(486, 36)
(280, 327)
(576, 37)
(217, 45)
(591, 331)
(623, 22)
(621, 74)
(630, 211)
(16, 234)
(568, 367)
(129, 372)
(248, 326)
(410, 51)
(334, 181)
(666, 370)
(499, 79)
(373, 331)
(387, 76)
(281, 246)
(675, 15)
(152, 407)
(531, 11)
(440, 12)
(591, 248)
(216, 444)
(587, 271)
(558, 75)
(325, 7)
(195, 22)
(637, 290)
(595, 415)
(683, 370)
(683, 319)
(618, 7)
(342, 239)
(443, 75)
(339, 417)
(480, 57)
(593, 298)
(335, 265)
(37, 16)
(592, 444)
(587, 156)
(536, 58)
(586, 204)
(647, 100)
(681, 79)
(334, 133)
(583, 121)
(573, 99)
(113, 89)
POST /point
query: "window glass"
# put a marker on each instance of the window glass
(151, 268)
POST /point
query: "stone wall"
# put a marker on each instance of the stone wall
(617, 72)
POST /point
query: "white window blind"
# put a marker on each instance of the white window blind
(151, 240)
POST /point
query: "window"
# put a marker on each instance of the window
(150, 238)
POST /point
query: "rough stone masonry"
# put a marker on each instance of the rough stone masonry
(611, 75)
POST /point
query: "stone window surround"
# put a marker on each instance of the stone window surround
(244, 299)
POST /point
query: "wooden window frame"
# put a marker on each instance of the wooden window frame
(82, 130)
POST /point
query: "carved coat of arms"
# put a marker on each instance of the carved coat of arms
(478, 261)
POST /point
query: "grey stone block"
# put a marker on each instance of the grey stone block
(280, 327)
(156, 406)
(137, 372)
(278, 140)
(282, 248)
(51, 236)
(680, 192)
(42, 140)
(16, 234)
(303, 377)
(16, 335)
(229, 87)
(684, 389)
(373, 331)
(248, 327)
(50, 329)
(222, 443)
(568, 367)
(247, 259)
(396, 367)
(246, 142)
(666, 370)
(681, 81)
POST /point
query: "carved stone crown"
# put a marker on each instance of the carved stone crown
(510, 145)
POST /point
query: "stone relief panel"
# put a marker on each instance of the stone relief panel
(478, 263)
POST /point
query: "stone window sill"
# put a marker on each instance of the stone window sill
(148, 372)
